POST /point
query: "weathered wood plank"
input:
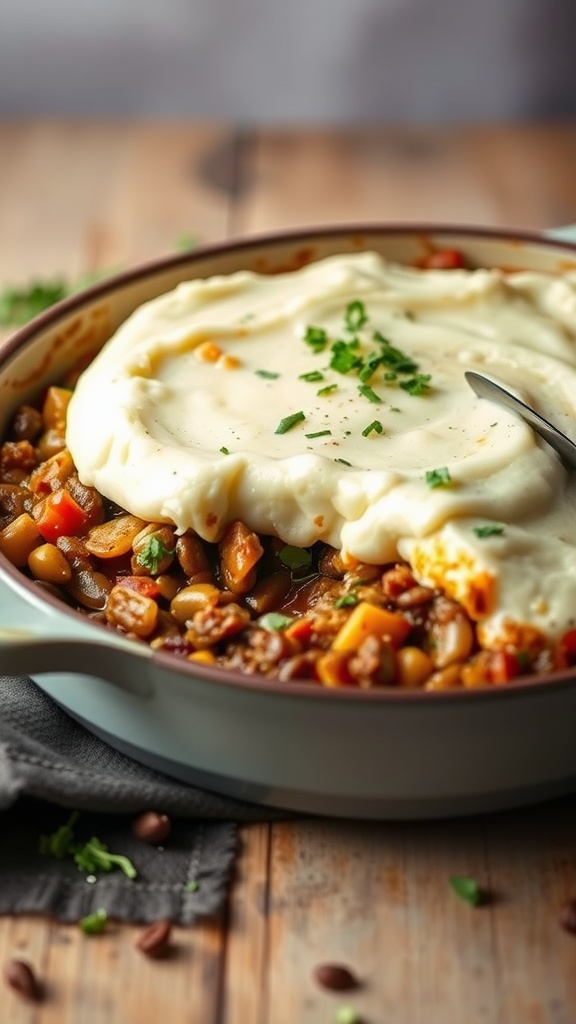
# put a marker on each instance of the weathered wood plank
(492, 176)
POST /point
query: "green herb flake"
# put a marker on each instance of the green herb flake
(186, 242)
(192, 885)
(394, 408)
(343, 462)
(267, 374)
(224, 451)
(355, 316)
(367, 392)
(152, 552)
(467, 889)
(393, 357)
(327, 390)
(312, 377)
(369, 368)
(90, 857)
(438, 477)
(417, 385)
(295, 558)
(347, 1015)
(490, 530)
(18, 305)
(60, 842)
(316, 338)
(94, 924)
(95, 856)
(373, 428)
(288, 422)
(344, 356)
(390, 376)
(319, 433)
(347, 601)
(273, 622)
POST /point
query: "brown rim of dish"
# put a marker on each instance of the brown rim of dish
(529, 685)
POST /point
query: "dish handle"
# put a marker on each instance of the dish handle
(566, 233)
(35, 639)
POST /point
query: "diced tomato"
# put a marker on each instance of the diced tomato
(444, 259)
(567, 648)
(144, 585)
(60, 516)
(504, 666)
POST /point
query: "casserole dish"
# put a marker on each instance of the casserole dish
(364, 753)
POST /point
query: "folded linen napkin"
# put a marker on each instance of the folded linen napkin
(49, 766)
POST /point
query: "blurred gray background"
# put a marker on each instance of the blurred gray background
(290, 60)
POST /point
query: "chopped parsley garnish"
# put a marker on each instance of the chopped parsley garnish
(94, 924)
(316, 338)
(355, 315)
(369, 368)
(192, 885)
(347, 601)
(224, 451)
(467, 889)
(393, 357)
(94, 856)
(327, 390)
(394, 408)
(18, 305)
(186, 243)
(373, 428)
(438, 477)
(267, 374)
(347, 1015)
(59, 843)
(90, 857)
(288, 422)
(417, 385)
(343, 461)
(390, 376)
(312, 377)
(345, 356)
(490, 530)
(274, 621)
(367, 392)
(152, 552)
(319, 433)
(295, 558)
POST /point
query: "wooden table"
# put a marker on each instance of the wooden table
(76, 197)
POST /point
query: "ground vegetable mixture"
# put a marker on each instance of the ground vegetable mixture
(249, 603)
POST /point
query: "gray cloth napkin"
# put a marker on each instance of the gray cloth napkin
(50, 766)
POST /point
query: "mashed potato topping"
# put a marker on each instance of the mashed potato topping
(330, 404)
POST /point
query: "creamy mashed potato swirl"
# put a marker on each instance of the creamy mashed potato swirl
(214, 403)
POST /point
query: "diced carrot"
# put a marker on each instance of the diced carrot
(300, 630)
(332, 669)
(369, 620)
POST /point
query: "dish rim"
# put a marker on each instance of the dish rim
(522, 686)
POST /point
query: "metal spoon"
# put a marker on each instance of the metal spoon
(486, 388)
